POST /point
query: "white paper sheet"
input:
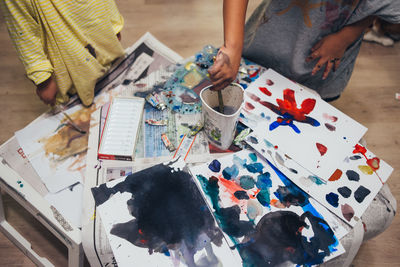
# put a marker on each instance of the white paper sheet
(245, 182)
(306, 128)
(150, 247)
(339, 191)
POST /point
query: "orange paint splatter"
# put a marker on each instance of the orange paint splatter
(336, 175)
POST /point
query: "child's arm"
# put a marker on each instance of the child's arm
(330, 49)
(227, 63)
(26, 36)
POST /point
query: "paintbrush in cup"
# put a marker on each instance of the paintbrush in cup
(220, 102)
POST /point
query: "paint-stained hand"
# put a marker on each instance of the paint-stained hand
(47, 91)
(328, 51)
(225, 68)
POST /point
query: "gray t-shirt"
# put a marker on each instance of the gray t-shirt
(290, 28)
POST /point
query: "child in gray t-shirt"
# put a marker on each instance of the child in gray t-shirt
(314, 43)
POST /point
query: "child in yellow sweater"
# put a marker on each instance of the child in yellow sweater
(65, 46)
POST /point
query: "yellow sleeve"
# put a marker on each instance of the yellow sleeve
(116, 18)
(26, 35)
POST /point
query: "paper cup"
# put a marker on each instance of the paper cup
(220, 128)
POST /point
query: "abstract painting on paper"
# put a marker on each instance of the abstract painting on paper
(348, 192)
(265, 216)
(300, 123)
(158, 217)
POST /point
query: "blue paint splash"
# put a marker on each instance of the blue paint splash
(246, 182)
(316, 180)
(215, 166)
(230, 172)
(254, 167)
(268, 144)
(264, 181)
(241, 163)
(332, 199)
(253, 157)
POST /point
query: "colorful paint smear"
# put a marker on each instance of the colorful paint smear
(67, 141)
(276, 210)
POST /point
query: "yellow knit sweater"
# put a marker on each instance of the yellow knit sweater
(75, 40)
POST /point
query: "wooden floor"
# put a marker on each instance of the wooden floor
(186, 26)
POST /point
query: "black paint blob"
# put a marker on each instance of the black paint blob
(253, 140)
(278, 239)
(169, 211)
(361, 193)
(353, 176)
(241, 194)
(344, 191)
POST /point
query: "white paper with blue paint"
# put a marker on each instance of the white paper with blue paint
(250, 198)
(347, 193)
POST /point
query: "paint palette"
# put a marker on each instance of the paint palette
(118, 138)
(348, 192)
(264, 215)
(302, 125)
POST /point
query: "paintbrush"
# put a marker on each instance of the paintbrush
(221, 102)
(73, 124)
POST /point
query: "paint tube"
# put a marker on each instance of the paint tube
(157, 122)
(156, 101)
(197, 128)
(167, 143)
(240, 137)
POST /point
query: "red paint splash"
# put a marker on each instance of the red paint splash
(269, 82)
(232, 187)
(321, 148)
(288, 105)
(336, 175)
(253, 97)
(330, 117)
(265, 91)
(373, 162)
(249, 106)
(254, 74)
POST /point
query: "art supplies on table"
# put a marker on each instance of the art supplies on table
(156, 101)
(119, 136)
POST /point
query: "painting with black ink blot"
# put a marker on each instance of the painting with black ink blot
(300, 123)
(347, 192)
(158, 217)
(266, 217)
